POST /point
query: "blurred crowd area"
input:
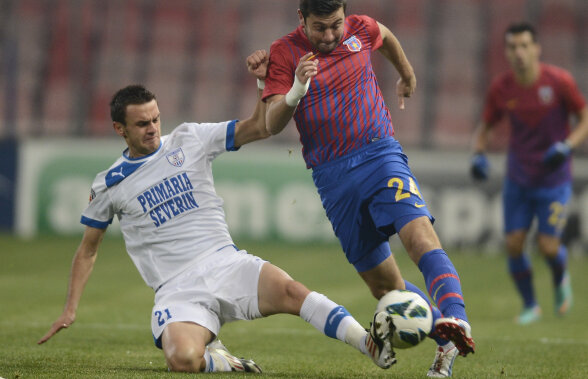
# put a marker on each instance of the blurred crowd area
(61, 60)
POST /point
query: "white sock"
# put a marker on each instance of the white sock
(332, 320)
(356, 335)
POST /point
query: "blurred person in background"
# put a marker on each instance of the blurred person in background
(538, 100)
(174, 228)
(321, 75)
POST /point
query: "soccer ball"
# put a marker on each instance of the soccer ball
(411, 315)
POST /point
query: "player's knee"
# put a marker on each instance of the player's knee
(380, 285)
(294, 294)
(296, 291)
(383, 278)
(515, 244)
(185, 359)
(548, 246)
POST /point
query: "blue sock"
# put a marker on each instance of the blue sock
(443, 283)
(522, 274)
(436, 312)
(558, 265)
(411, 287)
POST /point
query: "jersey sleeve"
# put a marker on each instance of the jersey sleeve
(280, 74)
(216, 138)
(492, 112)
(372, 29)
(574, 101)
(100, 211)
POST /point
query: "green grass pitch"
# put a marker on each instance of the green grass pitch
(112, 337)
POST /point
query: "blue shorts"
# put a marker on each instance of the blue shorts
(522, 204)
(369, 195)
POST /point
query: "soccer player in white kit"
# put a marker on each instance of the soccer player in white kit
(161, 189)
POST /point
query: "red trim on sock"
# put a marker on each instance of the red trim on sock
(451, 294)
(440, 277)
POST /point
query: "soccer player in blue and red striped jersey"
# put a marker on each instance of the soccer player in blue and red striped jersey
(321, 75)
(538, 100)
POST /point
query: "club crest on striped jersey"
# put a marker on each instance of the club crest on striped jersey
(176, 157)
(546, 94)
(353, 44)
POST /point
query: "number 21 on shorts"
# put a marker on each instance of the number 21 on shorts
(162, 316)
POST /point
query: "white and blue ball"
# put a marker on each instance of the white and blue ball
(411, 315)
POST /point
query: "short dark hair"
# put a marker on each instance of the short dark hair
(134, 94)
(521, 27)
(321, 7)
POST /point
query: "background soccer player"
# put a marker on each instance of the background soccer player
(321, 75)
(538, 100)
(174, 228)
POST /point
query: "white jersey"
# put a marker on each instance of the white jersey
(169, 212)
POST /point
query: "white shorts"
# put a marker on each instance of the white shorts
(219, 289)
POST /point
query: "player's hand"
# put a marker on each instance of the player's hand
(257, 64)
(557, 154)
(307, 67)
(64, 321)
(480, 167)
(405, 88)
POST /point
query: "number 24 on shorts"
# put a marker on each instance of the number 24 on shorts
(412, 189)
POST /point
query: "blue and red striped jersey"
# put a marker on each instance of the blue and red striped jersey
(343, 109)
(538, 116)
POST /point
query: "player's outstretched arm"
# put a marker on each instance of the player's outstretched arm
(81, 268)
(281, 108)
(393, 51)
(253, 128)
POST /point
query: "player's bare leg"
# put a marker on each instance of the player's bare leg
(185, 349)
(418, 237)
(515, 242)
(183, 346)
(383, 278)
(548, 245)
(278, 292)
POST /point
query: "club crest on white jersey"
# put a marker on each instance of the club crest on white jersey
(176, 157)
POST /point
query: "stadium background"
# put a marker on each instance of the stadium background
(61, 60)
